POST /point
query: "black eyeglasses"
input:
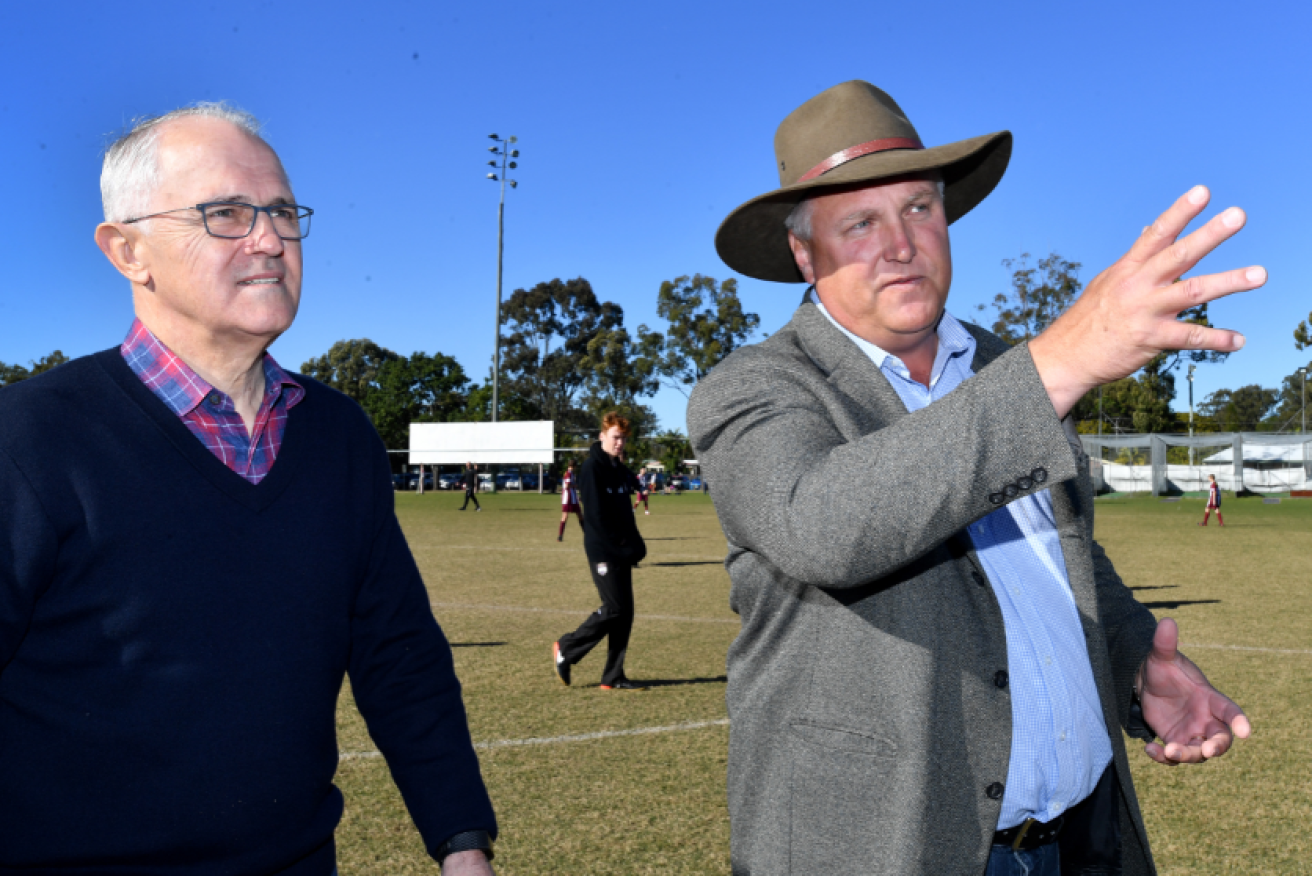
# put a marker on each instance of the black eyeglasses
(233, 220)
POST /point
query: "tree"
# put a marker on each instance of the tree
(14, 373)
(1303, 334)
(1041, 293)
(1133, 404)
(1288, 415)
(423, 388)
(1038, 296)
(698, 337)
(615, 370)
(546, 334)
(478, 405)
(671, 447)
(350, 366)
(394, 390)
(1239, 410)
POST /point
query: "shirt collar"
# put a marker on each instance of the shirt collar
(953, 341)
(177, 385)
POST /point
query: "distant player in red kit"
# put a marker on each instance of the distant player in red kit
(569, 501)
(642, 490)
(1213, 502)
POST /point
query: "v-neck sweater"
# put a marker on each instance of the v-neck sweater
(173, 639)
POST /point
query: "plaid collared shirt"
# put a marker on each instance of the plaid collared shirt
(210, 414)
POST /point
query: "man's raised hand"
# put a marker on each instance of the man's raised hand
(1194, 720)
(1128, 314)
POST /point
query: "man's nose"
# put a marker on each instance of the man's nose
(898, 245)
(264, 237)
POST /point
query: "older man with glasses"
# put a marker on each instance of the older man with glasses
(197, 547)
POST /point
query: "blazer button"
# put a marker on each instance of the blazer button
(1000, 678)
(978, 578)
(1040, 475)
(1010, 491)
(1025, 483)
(994, 791)
(995, 498)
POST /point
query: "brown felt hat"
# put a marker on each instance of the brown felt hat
(853, 133)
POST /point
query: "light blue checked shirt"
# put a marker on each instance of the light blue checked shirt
(1059, 744)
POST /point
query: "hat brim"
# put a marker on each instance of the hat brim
(753, 240)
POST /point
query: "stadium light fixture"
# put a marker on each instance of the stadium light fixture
(503, 154)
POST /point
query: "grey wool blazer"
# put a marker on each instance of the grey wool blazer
(869, 731)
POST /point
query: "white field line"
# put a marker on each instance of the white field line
(575, 613)
(556, 740)
(563, 549)
(1186, 646)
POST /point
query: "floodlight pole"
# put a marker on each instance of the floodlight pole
(1191, 414)
(496, 347)
(1303, 371)
(505, 153)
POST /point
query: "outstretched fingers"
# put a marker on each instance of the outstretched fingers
(1170, 225)
(1194, 291)
(1170, 262)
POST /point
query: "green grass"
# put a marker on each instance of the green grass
(504, 589)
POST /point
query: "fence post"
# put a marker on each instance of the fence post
(1157, 459)
(1238, 450)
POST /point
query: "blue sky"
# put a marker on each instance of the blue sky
(640, 128)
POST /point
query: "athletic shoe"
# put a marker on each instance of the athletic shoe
(648, 513)
(562, 668)
(560, 538)
(478, 509)
(624, 684)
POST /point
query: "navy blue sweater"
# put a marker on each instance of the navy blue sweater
(173, 639)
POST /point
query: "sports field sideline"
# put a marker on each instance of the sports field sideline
(592, 782)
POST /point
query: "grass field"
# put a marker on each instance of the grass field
(592, 782)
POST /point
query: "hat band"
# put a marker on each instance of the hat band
(857, 151)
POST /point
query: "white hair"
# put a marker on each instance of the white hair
(130, 174)
(798, 220)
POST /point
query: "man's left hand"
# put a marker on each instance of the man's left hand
(1194, 720)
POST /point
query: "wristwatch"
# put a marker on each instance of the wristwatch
(466, 841)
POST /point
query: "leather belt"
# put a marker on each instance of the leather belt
(1029, 834)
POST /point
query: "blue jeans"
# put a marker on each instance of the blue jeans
(1041, 861)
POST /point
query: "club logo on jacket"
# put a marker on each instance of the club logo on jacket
(602, 569)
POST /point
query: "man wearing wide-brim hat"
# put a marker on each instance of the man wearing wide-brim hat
(936, 659)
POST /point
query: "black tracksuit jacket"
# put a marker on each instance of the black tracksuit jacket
(610, 534)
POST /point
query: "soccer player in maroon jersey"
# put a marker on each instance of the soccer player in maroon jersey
(569, 501)
(642, 491)
(1213, 502)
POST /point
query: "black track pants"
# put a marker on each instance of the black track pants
(614, 620)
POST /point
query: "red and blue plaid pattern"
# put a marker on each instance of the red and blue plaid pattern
(209, 413)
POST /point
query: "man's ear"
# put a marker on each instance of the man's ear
(121, 250)
(802, 255)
